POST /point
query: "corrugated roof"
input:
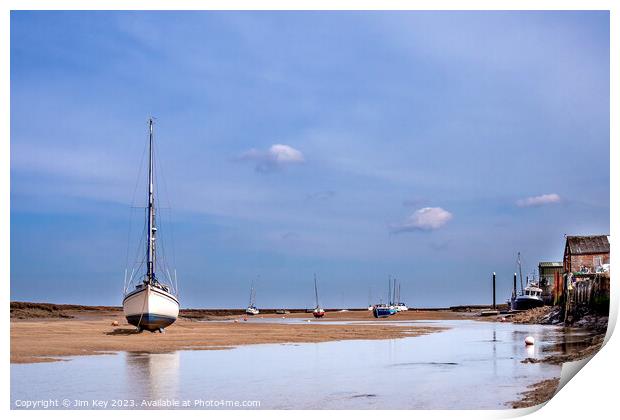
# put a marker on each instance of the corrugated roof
(598, 244)
(550, 264)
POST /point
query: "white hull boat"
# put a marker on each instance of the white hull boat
(151, 305)
(318, 312)
(252, 311)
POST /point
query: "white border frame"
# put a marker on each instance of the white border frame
(596, 383)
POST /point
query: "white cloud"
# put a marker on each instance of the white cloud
(277, 156)
(539, 200)
(427, 218)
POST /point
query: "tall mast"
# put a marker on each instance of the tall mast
(394, 300)
(520, 273)
(389, 290)
(316, 292)
(151, 229)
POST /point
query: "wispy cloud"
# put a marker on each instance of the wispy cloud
(539, 200)
(424, 219)
(321, 195)
(276, 157)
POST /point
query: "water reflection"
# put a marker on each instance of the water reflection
(450, 369)
(155, 374)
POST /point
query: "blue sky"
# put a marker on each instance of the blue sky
(431, 146)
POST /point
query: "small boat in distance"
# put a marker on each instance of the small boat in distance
(318, 312)
(531, 294)
(152, 305)
(399, 306)
(381, 311)
(252, 309)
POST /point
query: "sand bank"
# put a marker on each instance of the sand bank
(90, 332)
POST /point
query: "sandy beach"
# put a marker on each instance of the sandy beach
(84, 331)
(48, 332)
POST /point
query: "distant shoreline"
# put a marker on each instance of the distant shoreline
(42, 310)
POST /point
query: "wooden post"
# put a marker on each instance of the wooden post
(493, 290)
(514, 286)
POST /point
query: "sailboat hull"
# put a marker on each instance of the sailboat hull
(381, 312)
(252, 311)
(150, 308)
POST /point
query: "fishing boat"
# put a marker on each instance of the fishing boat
(252, 309)
(531, 297)
(318, 312)
(153, 304)
(531, 294)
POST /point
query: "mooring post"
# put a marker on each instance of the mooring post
(494, 290)
(514, 286)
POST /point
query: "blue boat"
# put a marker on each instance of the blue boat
(381, 311)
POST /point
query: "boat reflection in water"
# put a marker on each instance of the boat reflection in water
(156, 375)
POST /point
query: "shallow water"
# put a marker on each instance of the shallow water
(471, 365)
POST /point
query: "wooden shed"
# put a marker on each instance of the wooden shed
(586, 254)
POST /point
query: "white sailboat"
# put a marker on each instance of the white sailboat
(152, 305)
(318, 312)
(252, 309)
(400, 306)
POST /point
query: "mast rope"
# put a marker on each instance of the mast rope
(160, 175)
(131, 208)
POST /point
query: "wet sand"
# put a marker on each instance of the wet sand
(538, 393)
(42, 333)
(90, 332)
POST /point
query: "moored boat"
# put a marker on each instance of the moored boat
(252, 309)
(381, 311)
(530, 298)
(152, 305)
(318, 312)
(531, 295)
